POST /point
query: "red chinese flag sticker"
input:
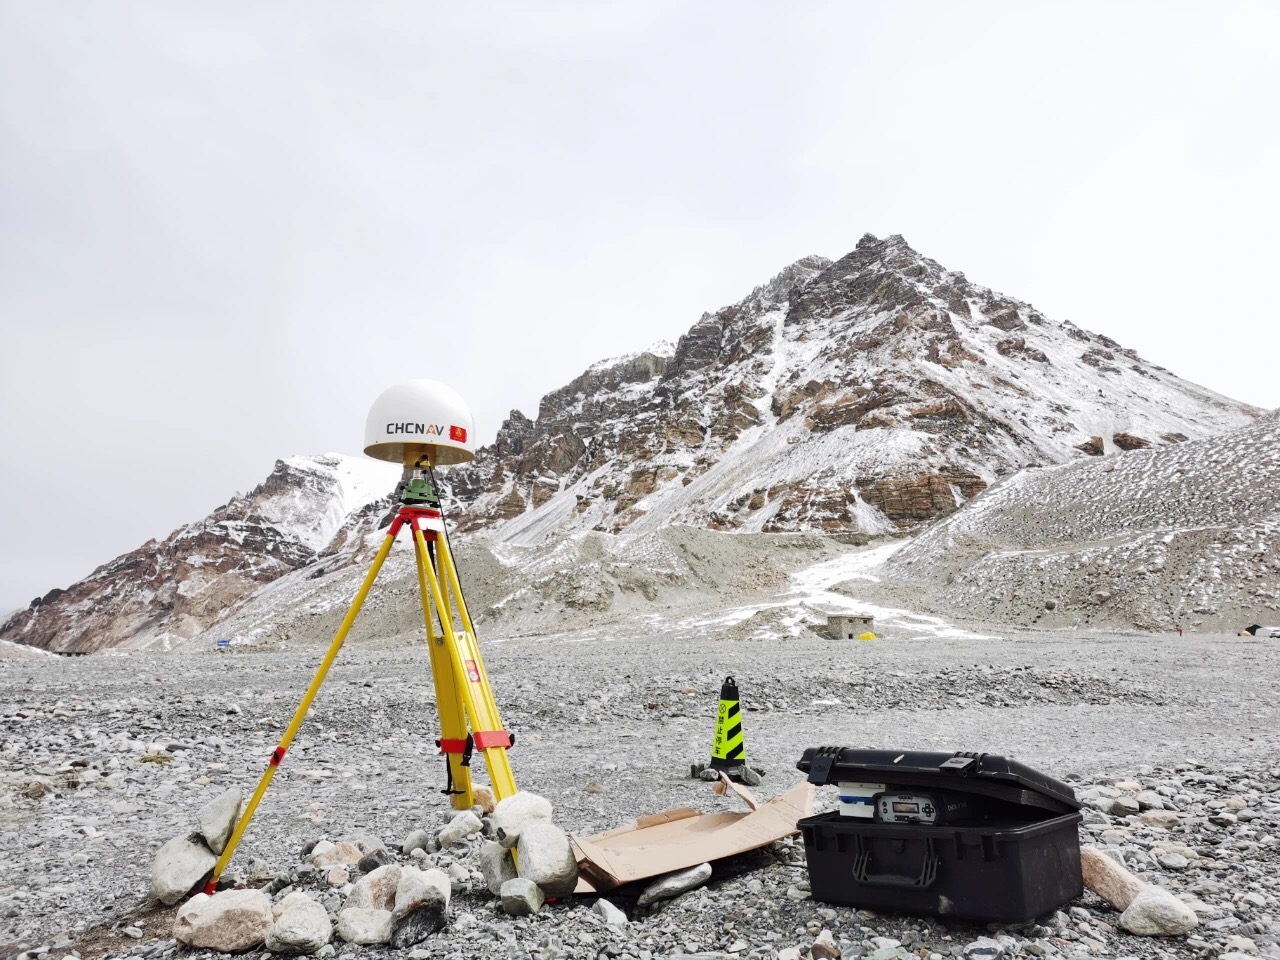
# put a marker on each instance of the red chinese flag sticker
(458, 434)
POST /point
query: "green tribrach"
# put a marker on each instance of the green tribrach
(419, 492)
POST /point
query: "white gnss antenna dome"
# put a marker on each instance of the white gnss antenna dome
(420, 418)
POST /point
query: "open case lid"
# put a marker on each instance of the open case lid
(977, 773)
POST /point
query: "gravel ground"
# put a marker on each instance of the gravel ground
(607, 730)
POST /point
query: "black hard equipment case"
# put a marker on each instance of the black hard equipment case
(1015, 855)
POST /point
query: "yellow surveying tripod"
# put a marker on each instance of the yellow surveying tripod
(462, 685)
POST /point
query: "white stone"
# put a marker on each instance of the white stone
(296, 896)
(186, 916)
(357, 925)
(180, 865)
(229, 922)
(459, 828)
(303, 927)
(611, 914)
(417, 840)
(545, 856)
(984, 948)
(376, 890)
(674, 884)
(521, 897)
(217, 818)
(1241, 944)
(513, 814)
(1156, 912)
(322, 847)
(496, 865)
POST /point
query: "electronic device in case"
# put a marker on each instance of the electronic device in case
(892, 806)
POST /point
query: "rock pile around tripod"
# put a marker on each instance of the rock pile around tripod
(360, 890)
(185, 861)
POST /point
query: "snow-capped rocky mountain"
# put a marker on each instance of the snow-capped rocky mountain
(1184, 536)
(198, 574)
(868, 394)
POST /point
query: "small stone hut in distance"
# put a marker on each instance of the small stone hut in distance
(843, 626)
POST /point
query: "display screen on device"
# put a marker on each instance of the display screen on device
(906, 808)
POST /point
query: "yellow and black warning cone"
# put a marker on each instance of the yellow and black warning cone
(727, 749)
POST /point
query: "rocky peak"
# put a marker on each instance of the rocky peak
(877, 390)
(183, 584)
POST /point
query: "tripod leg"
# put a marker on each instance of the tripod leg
(453, 720)
(296, 723)
(475, 680)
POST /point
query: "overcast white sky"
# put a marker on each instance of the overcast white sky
(225, 227)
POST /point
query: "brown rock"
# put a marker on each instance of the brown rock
(921, 496)
(376, 890)
(1127, 441)
(229, 922)
(341, 854)
(1005, 318)
(1112, 882)
(484, 798)
(1017, 347)
(1165, 819)
(1093, 447)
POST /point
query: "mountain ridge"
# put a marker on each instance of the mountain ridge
(870, 394)
(912, 349)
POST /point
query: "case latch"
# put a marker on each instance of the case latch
(824, 758)
(961, 765)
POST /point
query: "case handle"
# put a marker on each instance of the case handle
(862, 869)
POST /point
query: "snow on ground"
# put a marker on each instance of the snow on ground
(812, 595)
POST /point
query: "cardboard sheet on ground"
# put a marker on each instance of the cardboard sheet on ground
(681, 838)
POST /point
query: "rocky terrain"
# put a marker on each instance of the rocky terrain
(593, 580)
(867, 394)
(1178, 536)
(180, 586)
(1171, 742)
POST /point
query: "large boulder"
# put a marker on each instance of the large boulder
(512, 815)
(1155, 912)
(303, 927)
(421, 907)
(376, 890)
(1112, 882)
(496, 865)
(217, 818)
(180, 864)
(545, 856)
(185, 919)
(360, 926)
(229, 922)
(297, 896)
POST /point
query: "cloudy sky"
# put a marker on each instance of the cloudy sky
(225, 227)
